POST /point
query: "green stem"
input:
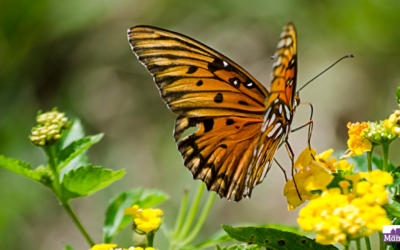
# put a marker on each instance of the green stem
(358, 244)
(78, 223)
(56, 187)
(193, 210)
(52, 162)
(367, 243)
(150, 239)
(385, 150)
(181, 214)
(381, 243)
(369, 159)
(346, 247)
(201, 220)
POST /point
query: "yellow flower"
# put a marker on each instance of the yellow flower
(148, 220)
(311, 176)
(323, 159)
(343, 165)
(340, 216)
(380, 177)
(357, 143)
(103, 246)
(393, 123)
(134, 210)
(141, 248)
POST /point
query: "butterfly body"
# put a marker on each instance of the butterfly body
(241, 123)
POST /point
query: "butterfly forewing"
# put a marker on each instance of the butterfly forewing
(210, 91)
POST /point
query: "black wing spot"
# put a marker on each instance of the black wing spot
(208, 124)
(237, 127)
(249, 85)
(199, 83)
(243, 103)
(229, 122)
(218, 98)
(223, 146)
(234, 81)
(281, 242)
(192, 69)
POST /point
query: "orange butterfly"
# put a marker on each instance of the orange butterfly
(241, 122)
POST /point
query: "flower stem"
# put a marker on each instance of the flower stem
(202, 218)
(385, 150)
(358, 244)
(193, 210)
(150, 239)
(381, 243)
(56, 187)
(346, 247)
(369, 159)
(367, 243)
(78, 223)
(52, 163)
(181, 214)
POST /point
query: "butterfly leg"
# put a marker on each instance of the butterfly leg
(283, 170)
(291, 156)
(310, 125)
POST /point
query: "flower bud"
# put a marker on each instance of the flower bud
(50, 127)
(378, 133)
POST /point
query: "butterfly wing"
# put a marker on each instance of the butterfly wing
(279, 109)
(209, 91)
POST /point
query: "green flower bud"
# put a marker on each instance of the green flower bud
(50, 127)
(378, 133)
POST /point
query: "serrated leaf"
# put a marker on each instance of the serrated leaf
(273, 238)
(222, 236)
(73, 133)
(86, 180)
(115, 219)
(19, 167)
(76, 148)
(68, 247)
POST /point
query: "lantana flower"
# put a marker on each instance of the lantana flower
(145, 220)
(103, 246)
(312, 175)
(357, 142)
(339, 216)
(148, 220)
(393, 123)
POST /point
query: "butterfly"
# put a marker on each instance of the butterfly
(240, 123)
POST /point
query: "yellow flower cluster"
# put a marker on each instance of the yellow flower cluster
(393, 123)
(339, 215)
(145, 220)
(113, 247)
(50, 127)
(357, 142)
(312, 175)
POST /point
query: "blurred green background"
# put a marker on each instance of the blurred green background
(74, 55)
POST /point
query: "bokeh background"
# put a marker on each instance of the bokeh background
(74, 55)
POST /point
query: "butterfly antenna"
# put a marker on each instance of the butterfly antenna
(324, 71)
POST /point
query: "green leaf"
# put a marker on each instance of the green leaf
(338, 177)
(115, 219)
(360, 163)
(86, 180)
(20, 167)
(392, 209)
(239, 247)
(73, 133)
(398, 95)
(222, 236)
(273, 238)
(75, 149)
(68, 247)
